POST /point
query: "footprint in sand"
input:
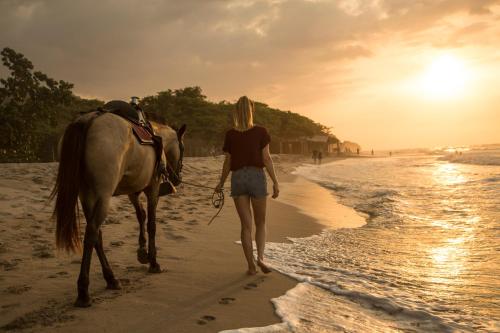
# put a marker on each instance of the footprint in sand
(43, 251)
(227, 300)
(112, 220)
(12, 305)
(58, 274)
(134, 268)
(117, 243)
(205, 320)
(173, 236)
(253, 285)
(37, 180)
(17, 290)
(192, 222)
(10, 265)
(250, 286)
(125, 282)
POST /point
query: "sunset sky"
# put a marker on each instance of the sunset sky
(384, 73)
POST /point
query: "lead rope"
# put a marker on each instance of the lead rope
(217, 199)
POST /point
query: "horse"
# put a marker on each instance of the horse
(101, 158)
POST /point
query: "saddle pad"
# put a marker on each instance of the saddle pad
(142, 134)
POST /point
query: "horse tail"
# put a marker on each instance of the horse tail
(67, 187)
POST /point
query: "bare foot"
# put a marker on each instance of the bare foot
(251, 271)
(263, 267)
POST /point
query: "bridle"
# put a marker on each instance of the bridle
(178, 169)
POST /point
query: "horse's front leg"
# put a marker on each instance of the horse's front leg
(152, 196)
(140, 213)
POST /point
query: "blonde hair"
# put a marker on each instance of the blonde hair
(243, 114)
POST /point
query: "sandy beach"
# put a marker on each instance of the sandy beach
(203, 286)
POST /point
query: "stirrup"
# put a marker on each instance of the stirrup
(166, 188)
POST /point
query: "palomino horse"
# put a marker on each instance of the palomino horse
(101, 158)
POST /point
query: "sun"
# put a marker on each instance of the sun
(446, 77)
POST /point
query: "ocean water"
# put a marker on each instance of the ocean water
(427, 259)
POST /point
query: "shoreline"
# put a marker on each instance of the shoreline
(205, 288)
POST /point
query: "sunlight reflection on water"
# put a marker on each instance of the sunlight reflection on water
(431, 242)
(449, 174)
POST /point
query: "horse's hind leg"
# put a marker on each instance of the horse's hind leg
(95, 217)
(154, 267)
(111, 282)
(142, 252)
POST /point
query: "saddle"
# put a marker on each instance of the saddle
(142, 131)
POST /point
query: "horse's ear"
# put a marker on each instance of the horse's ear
(181, 132)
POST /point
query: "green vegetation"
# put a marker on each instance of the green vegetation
(35, 109)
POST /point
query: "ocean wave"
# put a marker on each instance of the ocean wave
(379, 278)
(312, 307)
(474, 157)
(491, 180)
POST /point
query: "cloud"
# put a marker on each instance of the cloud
(113, 49)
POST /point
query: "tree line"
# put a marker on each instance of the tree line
(35, 109)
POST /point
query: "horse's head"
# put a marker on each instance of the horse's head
(173, 147)
(174, 151)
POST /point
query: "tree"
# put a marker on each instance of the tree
(31, 104)
(35, 109)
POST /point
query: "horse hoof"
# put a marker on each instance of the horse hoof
(83, 302)
(114, 285)
(142, 256)
(154, 269)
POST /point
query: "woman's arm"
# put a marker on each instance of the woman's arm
(226, 167)
(268, 163)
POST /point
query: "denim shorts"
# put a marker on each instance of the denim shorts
(249, 181)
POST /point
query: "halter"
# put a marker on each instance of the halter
(177, 172)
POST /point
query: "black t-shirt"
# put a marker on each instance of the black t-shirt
(246, 147)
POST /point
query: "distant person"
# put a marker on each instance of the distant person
(246, 148)
(320, 157)
(315, 156)
(372, 152)
(357, 151)
(390, 153)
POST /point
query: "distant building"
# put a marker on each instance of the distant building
(306, 145)
(348, 147)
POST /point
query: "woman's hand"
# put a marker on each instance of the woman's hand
(276, 190)
(219, 187)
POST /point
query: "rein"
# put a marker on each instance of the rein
(217, 199)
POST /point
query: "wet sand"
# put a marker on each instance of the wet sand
(203, 286)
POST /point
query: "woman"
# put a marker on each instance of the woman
(246, 147)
